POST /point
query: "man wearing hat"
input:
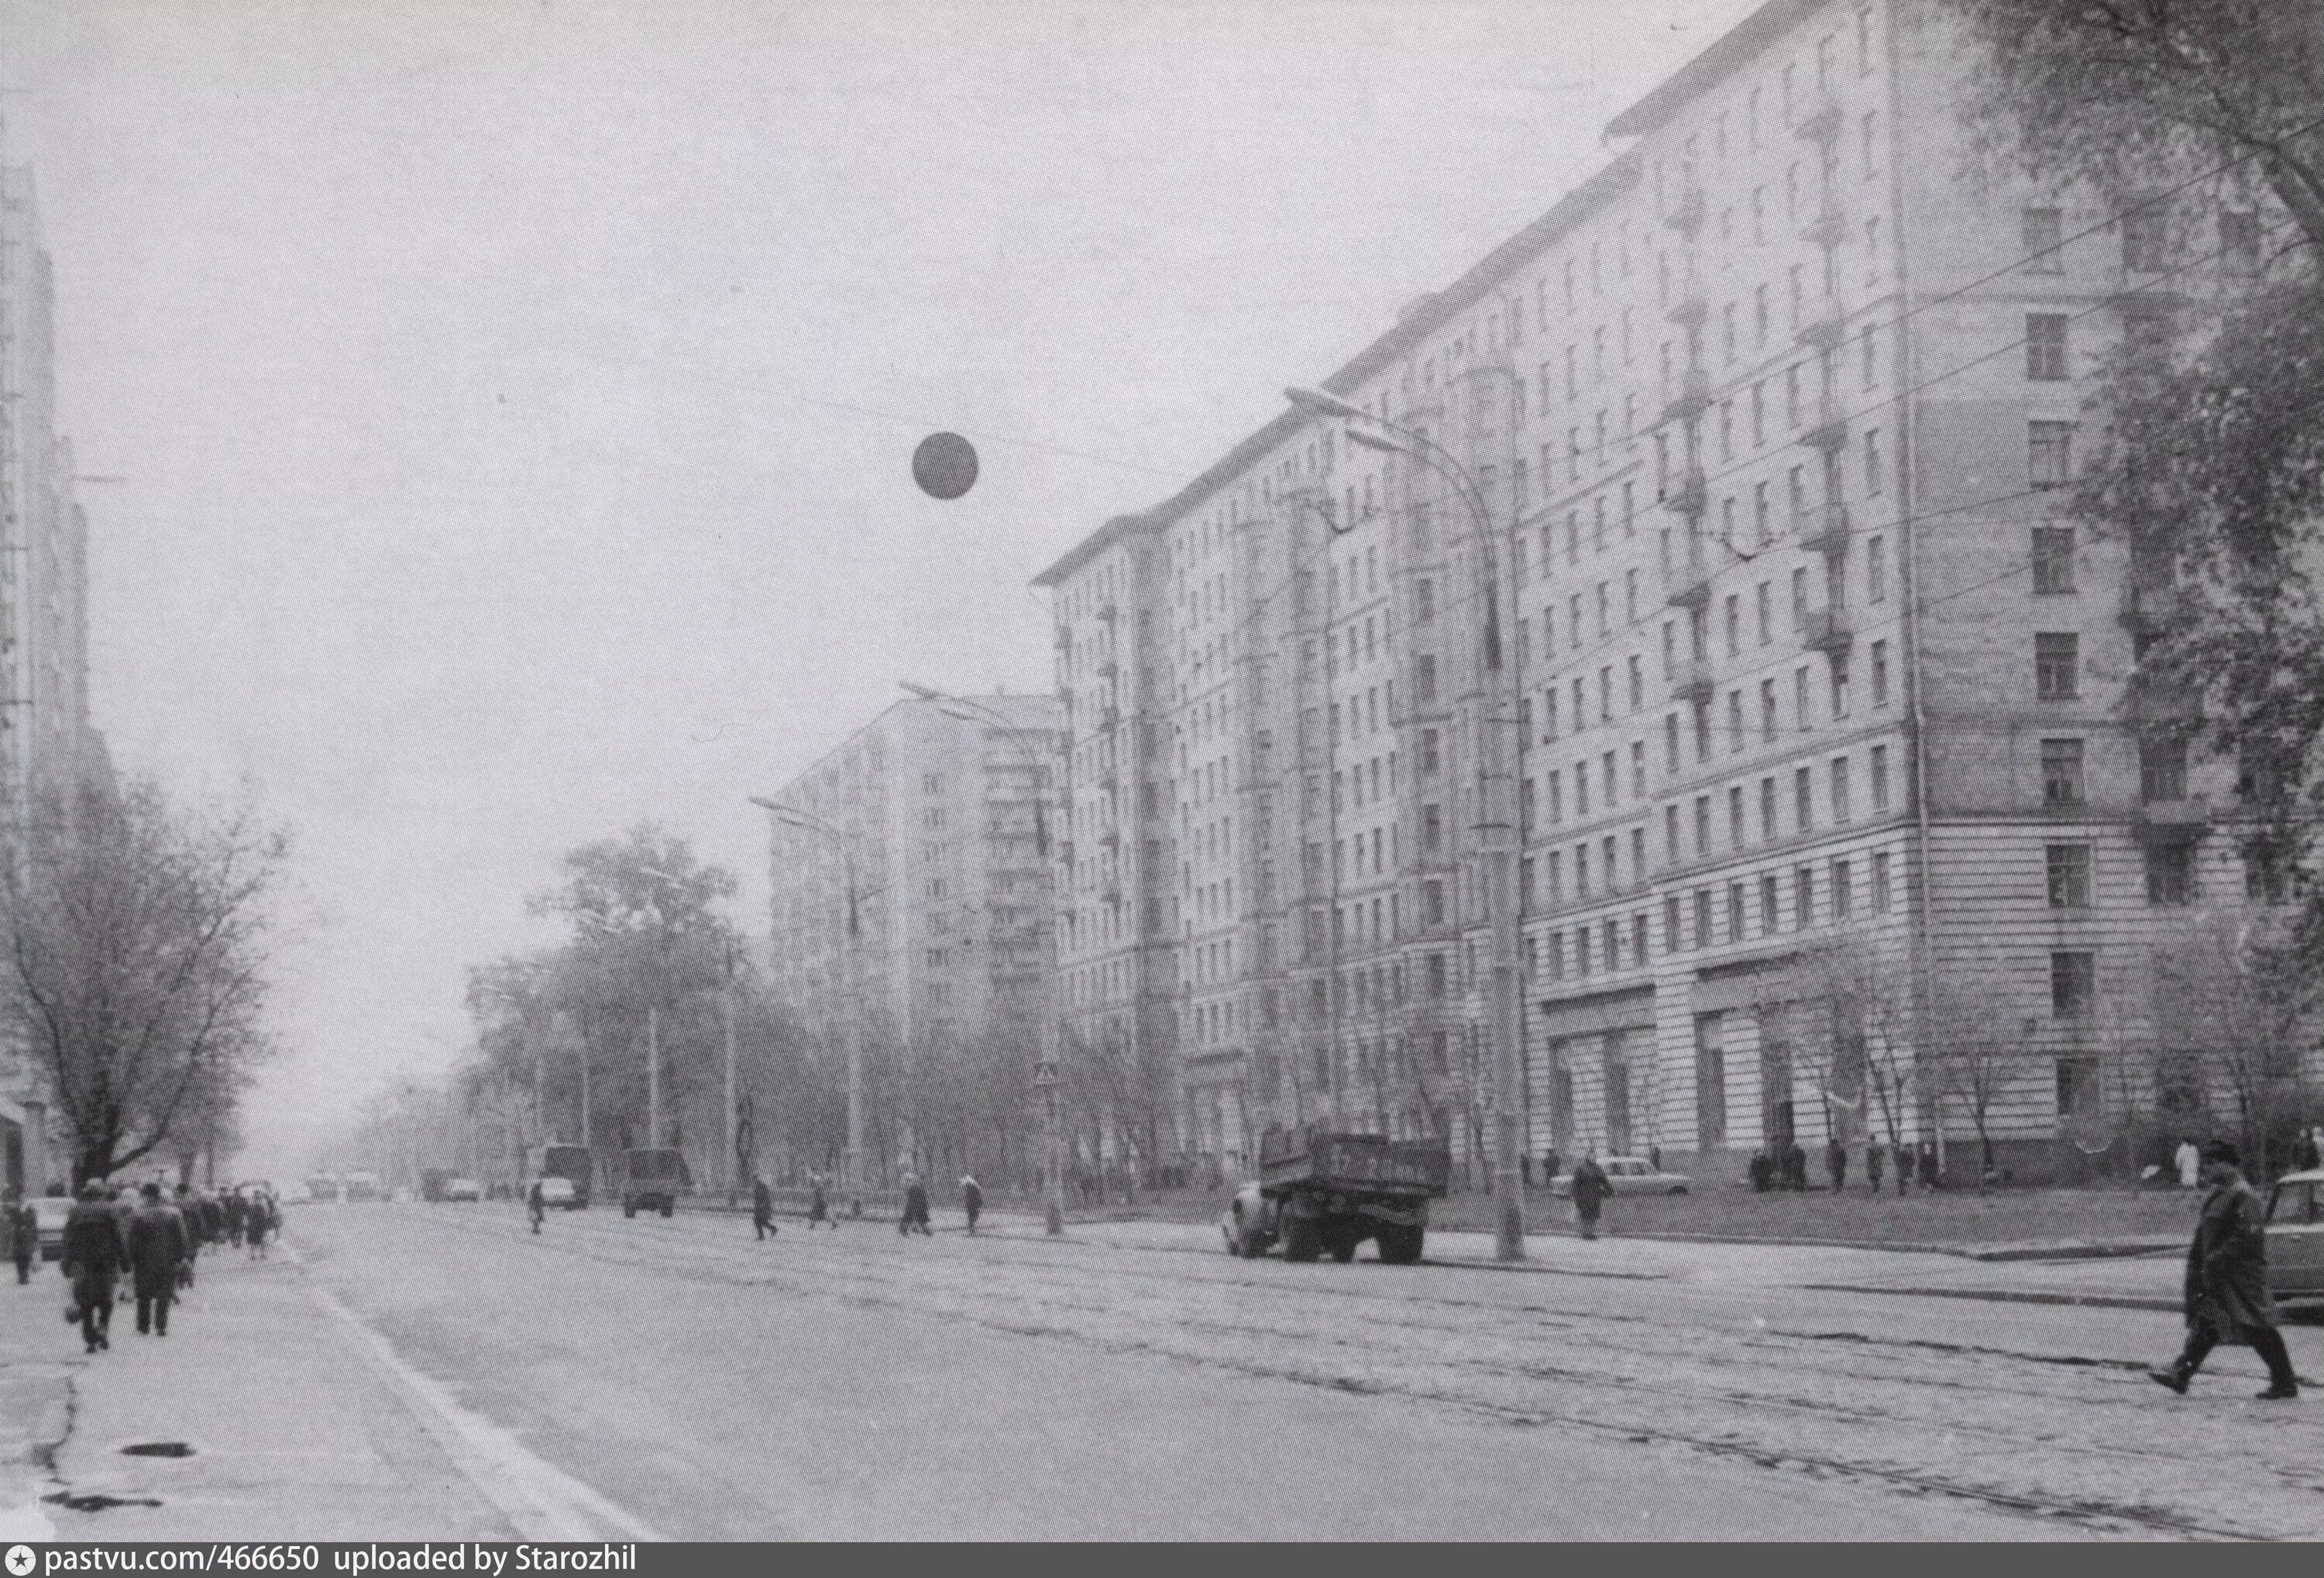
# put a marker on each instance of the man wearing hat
(93, 1258)
(2227, 1281)
(157, 1243)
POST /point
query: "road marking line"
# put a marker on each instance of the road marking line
(541, 1500)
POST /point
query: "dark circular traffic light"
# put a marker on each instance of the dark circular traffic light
(945, 465)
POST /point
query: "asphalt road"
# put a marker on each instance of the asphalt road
(1137, 1382)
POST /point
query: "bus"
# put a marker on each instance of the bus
(571, 1162)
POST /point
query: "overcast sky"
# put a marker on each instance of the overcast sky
(514, 401)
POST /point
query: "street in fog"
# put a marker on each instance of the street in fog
(1133, 1381)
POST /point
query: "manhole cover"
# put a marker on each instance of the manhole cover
(157, 1449)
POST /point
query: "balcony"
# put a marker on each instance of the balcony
(1694, 397)
(1828, 225)
(1820, 118)
(1691, 496)
(1692, 681)
(1686, 214)
(1829, 430)
(1690, 587)
(1830, 631)
(2154, 607)
(1826, 332)
(2163, 703)
(1823, 529)
(2172, 822)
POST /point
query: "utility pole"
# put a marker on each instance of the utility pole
(726, 1015)
(653, 1077)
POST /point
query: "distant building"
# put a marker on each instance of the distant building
(1770, 419)
(935, 819)
(46, 743)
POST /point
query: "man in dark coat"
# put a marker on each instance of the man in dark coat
(93, 1258)
(915, 1208)
(1550, 1163)
(972, 1199)
(818, 1205)
(190, 1222)
(535, 1207)
(157, 1243)
(24, 1236)
(2227, 1281)
(237, 1215)
(1762, 1172)
(1795, 1166)
(763, 1207)
(1872, 1165)
(1835, 1163)
(1590, 1187)
(1929, 1176)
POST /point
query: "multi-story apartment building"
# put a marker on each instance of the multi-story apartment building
(1756, 440)
(932, 844)
(46, 742)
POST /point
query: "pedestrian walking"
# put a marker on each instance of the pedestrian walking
(1835, 1163)
(189, 1219)
(1590, 1187)
(2312, 1152)
(535, 1205)
(916, 1207)
(237, 1217)
(1872, 1165)
(2227, 1281)
(971, 1200)
(257, 1221)
(1654, 1157)
(157, 1243)
(1904, 1160)
(1929, 1177)
(2188, 1161)
(1550, 1163)
(763, 1207)
(93, 1258)
(1795, 1166)
(1760, 1171)
(24, 1237)
(818, 1204)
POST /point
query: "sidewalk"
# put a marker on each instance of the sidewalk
(292, 1435)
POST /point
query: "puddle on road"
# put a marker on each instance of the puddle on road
(98, 1501)
(157, 1449)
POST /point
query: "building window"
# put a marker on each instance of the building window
(2057, 666)
(1770, 903)
(2040, 237)
(2062, 772)
(2144, 240)
(1734, 912)
(1880, 673)
(1843, 891)
(1803, 898)
(1803, 800)
(2053, 561)
(2073, 983)
(2161, 765)
(2049, 454)
(2069, 873)
(2045, 347)
(1880, 777)
(1672, 941)
(1841, 810)
(2170, 874)
(1880, 898)
(1424, 677)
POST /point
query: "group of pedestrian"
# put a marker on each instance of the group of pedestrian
(1786, 1166)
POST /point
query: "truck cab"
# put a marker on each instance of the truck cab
(651, 1180)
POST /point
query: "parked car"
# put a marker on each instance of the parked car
(49, 1211)
(2295, 1236)
(463, 1189)
(560, 1194)
(1629, 1175)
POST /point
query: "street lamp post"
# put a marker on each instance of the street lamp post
(1497, 825)
(1045, 1076)
(850, 1167)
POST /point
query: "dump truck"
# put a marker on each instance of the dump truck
(1320, 1190)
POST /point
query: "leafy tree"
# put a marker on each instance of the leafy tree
(2231, 989)
(137, 940)
(2212, 467)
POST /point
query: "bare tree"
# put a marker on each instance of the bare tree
(2231, 989)
(137, 945)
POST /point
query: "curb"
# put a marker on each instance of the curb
(2011, 1296)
